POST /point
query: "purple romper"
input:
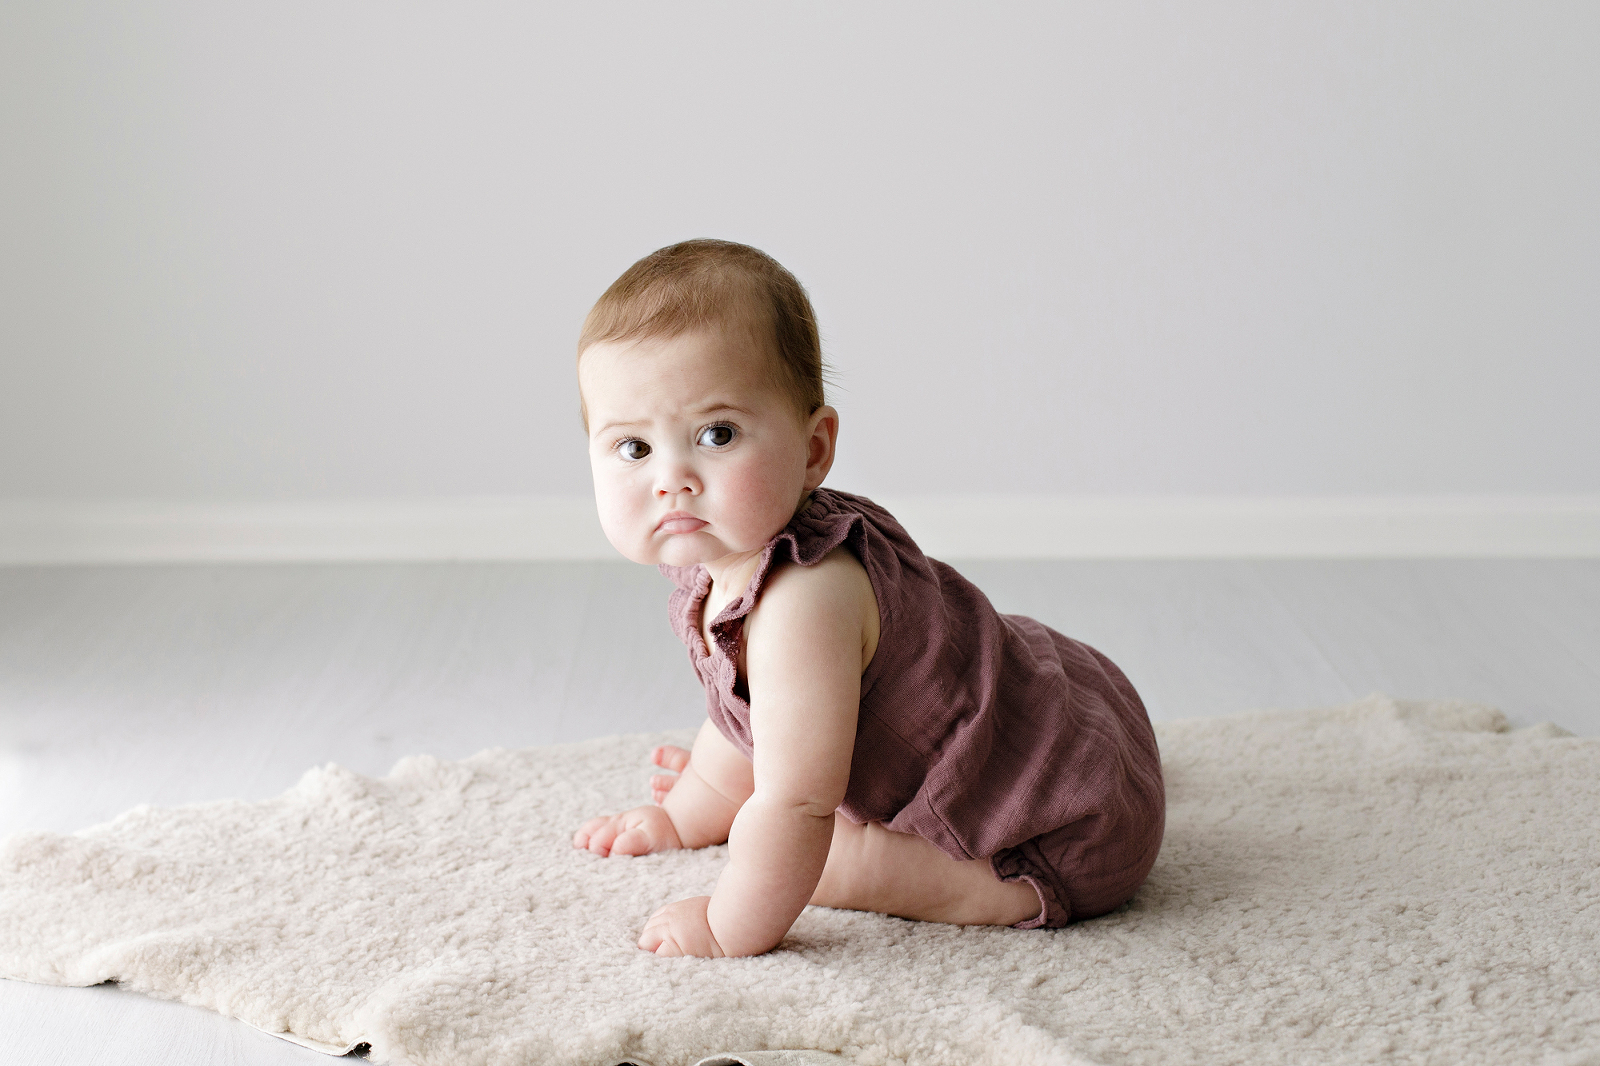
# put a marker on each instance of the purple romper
(990, 735)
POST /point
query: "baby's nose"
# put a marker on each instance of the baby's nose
(681, 480)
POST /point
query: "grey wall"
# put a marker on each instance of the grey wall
(295, 250)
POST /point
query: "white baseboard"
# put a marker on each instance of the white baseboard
(553, 527)
(1219, 527)
(993, 527)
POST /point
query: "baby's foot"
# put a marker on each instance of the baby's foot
(640, 831)
(668, 757)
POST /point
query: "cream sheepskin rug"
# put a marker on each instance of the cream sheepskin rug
(1383, 881)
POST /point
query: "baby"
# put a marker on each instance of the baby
(878, 737)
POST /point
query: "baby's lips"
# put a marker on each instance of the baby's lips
(679, 522)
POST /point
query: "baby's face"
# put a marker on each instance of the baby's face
(697, 456)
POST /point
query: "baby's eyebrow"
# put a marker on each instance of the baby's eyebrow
(609, 426)
(698, 412)
(712, 408)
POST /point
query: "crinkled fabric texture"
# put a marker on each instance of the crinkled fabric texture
(989, 735)
(1384, 881)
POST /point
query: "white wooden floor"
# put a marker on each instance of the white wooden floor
(176, 684)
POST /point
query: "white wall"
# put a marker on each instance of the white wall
(299, 251)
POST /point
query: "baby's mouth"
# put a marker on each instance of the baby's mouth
(679, 522)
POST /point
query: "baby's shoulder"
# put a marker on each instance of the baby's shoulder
(837, 572)
(835, 586)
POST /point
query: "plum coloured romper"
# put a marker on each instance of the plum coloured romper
(990, 735)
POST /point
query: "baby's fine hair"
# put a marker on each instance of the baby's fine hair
(708, 283)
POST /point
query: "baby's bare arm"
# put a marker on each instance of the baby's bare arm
(804, 656)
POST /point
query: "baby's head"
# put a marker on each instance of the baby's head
(701, 382)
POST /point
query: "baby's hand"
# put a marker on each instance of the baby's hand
(640, 831)
(668, 757)
(681, 928)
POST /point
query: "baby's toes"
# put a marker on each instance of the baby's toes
(670, 757)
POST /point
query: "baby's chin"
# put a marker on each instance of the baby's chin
(674, 550)
(687, 549)
(690, 549)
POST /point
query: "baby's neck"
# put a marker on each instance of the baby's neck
(731, 574)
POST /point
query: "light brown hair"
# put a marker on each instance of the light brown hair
(701, 284)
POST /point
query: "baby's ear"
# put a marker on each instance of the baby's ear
(823, 426)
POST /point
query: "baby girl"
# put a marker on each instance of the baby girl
(878, 736)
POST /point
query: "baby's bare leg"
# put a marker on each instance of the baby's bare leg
(714, 784)
(871, 868)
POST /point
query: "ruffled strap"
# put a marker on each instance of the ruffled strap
(818, 528)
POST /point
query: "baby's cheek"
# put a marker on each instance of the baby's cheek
(762, 502)
(621, 521)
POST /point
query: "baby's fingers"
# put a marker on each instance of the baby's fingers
(632, 842)
(657, 937)
(601, 836)
(652, 935)
(580, 839)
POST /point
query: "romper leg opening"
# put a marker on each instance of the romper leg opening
(1054, 910)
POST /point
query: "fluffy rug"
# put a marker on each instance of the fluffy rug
(1387, 880)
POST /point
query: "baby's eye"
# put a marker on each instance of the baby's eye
(717, 436)
(633, 450)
